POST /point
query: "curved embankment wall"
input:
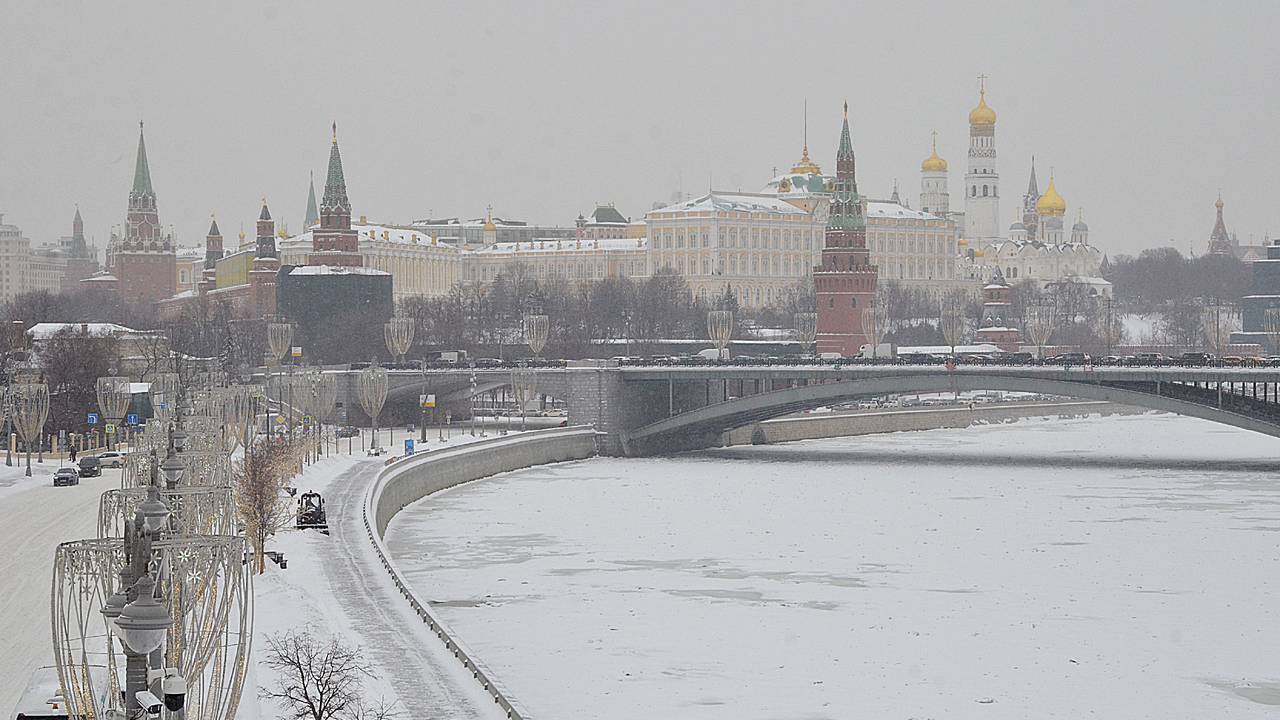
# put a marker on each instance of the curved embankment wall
(410, 479)
(881, 421)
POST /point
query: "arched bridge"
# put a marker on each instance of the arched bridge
(1244, 398)
(653, 410)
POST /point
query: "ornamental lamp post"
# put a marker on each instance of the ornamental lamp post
(30, 410)
(398, 335)
(279, 343)
(1041, 318)
(113, 400)
(372, 388)
(805, 325)
(720, 330)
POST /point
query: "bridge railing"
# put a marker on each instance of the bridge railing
(410, 479)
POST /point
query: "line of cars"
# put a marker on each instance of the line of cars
(88, 466)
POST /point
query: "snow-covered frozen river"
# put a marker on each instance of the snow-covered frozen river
(1122, 567)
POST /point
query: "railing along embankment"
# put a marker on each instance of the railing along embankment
(410, 479)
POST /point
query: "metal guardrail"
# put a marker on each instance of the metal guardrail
(479, 672)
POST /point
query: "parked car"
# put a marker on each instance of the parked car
(348, 431)
(90, 466)
(66, 476)
(112, 459)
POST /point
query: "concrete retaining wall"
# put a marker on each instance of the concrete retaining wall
(410, 479)
(866, 423)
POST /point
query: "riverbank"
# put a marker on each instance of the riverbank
(871, 421)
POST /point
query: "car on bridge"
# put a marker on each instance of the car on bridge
(1195, 359)
(1151, 358)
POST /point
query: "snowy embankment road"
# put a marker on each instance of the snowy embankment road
(334, 585)
(34, 518)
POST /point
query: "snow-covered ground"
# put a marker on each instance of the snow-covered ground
(1116, 568)
(335, 586)
(37, 517)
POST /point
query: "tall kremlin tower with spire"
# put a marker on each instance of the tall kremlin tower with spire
(334, 242)
(142, 258)
(845, 281)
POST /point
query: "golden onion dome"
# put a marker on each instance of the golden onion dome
(933, 163)
(983, 114)
(962, 242)
(1051, 203)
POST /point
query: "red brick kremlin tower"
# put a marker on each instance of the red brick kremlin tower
(333, 242)
(266, 263)
(142, 260)
(845, 282)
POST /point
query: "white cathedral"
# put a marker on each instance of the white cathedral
(1036, 245)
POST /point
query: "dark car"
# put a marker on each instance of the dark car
(90, 466)
(348, 431)
(1019, 358)
(66, 476)
(1195, 358)
(1072, 358)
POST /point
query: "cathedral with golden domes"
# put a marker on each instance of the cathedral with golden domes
(1036, 246)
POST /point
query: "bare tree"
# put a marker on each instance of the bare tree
(321, 680)
(261, 502)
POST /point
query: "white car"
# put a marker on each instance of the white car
(112, 459)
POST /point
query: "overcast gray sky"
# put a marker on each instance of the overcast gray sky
(542, 109)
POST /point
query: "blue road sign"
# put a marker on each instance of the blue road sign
(92, 419)
(408, 447)
(131, 419)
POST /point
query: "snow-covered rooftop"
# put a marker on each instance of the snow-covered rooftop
(374, 232)
(45, 330)
(733, 202)
(876, 208)
(335, 270)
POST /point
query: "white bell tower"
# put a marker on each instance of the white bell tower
(982, 182)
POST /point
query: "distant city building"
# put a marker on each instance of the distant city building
(418, 263)
(557, 260)
(845, 281)
(605, 223)
(479, 232)
(756, 246)
(1263, 297)
(15, 252)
